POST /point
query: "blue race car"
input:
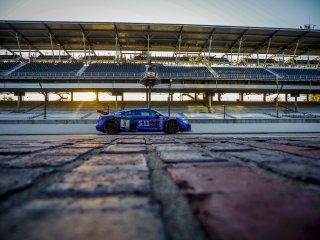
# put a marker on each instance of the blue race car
(142, 119)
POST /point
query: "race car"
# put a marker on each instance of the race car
(141, 119)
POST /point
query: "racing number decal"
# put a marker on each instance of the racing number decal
(143, 123)
(146, 123)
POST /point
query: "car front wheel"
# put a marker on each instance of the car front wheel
(111, 127)
(171, 127)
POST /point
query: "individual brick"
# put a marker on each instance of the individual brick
(226, 147)
(174, 147)
(234, 202)
(132, 160)
(162, 141)
(131, 141)
(100, 218)
(100, 184)
(197, 140)
(20, 150)
(66, 151)
(5, 158)
(182, 157)
(15, 179)
(263, 156)
(125, 148)
(305, 143)
(85, 145)
(301, 151)
(304, 172)
(39, 160)
(179, 153)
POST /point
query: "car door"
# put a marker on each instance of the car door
(146, 120)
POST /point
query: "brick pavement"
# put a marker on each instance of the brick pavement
(160, 187)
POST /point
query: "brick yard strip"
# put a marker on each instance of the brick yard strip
(159, 187)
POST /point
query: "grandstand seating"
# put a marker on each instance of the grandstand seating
(115, 70)
(243, 73)
(297, 73)
(48, 69)
(174, 71)
(6, 66)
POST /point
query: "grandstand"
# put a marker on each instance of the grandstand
(186, 58)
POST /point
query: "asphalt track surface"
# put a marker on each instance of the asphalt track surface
(157, 186)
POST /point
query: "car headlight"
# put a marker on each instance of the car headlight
(185, 121)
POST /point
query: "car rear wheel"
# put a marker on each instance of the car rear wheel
(111, 127)
(171, 127)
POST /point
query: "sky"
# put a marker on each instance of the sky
(257, 13)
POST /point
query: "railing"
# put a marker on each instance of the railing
(44, 74)
(185, 75)
(112, 74)
(246, 76)
(299, 77)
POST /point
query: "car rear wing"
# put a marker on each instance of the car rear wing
(102, 112)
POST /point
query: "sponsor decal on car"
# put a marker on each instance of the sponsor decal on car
(124, 123)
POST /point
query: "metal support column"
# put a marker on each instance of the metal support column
(210, 43)
(231, 54)
(116, 103)
(19, 100)
(209, 102)
(277, 98)
(45, 105)
(179, 47)
(71, 96)
(286, 97)
(308, 98)
(169, 98)
(296, 102)
(219, 97)
(84, 46)
(149, 96)
(295, 51)
(241, 97)
(117, 57)
(97, 96)
(264, 97)
(265, 61)
(148, 56)
(240, 43)
(50, 37)
(18, 42)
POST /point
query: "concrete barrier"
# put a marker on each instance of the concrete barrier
(198, 126)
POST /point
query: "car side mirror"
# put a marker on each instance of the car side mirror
(157, 115)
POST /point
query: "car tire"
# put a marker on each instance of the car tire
(171, 127)
(111, 126)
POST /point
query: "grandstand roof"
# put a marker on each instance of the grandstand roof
(163, 37)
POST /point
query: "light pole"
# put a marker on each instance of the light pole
(169, 98)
